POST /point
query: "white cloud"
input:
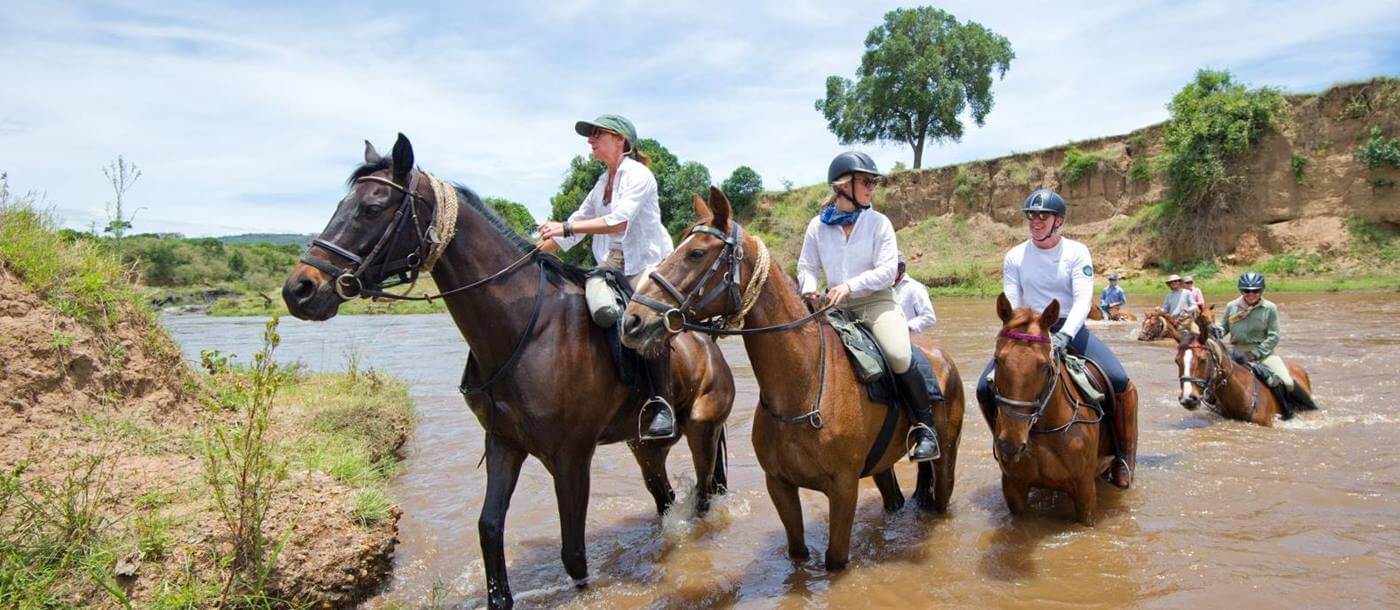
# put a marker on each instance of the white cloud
(250, 118)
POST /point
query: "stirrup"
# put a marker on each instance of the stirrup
(643, 425)
(909, 448)
(1126, 466)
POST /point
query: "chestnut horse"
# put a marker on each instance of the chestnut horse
(1046, 434)
(816, 424)
(1210, 376)
(1157, 325)
(540, 379)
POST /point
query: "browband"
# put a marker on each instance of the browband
(1027, 337)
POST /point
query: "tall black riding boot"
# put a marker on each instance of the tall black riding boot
(657, 419)
(1285, 402)
(1301, 397)
(916, 397)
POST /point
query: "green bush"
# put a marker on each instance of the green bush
(1078, 164)
(967, 184)
(1379, 152)
(1299, 164)
(1141, 170)
(1213, 121)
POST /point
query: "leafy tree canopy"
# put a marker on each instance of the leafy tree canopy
(921, 70)
(742, 187)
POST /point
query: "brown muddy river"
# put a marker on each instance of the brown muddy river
(1306, 514)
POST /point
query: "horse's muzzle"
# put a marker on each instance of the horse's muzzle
(1008, 451)
(645, 335)
(1190, 402)
(306, 297)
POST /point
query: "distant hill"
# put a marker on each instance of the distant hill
(276, 239)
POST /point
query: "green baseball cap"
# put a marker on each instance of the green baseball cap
(610, 122)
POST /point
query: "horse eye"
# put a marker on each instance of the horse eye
(696, 254)
(371, 211)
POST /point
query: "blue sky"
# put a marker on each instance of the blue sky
(247, 117)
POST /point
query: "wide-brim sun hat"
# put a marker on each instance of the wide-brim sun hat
(1190, 279)
(611, 122)
(1173, 278)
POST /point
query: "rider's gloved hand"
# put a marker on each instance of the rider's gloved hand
(1217, 331)
(1059, 342)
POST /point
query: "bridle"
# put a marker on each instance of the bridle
(1052, 382)
(685, 313)
(351, 281)
(1215, 379)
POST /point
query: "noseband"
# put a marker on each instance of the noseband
(351, 281)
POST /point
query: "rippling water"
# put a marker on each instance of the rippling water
(1304, 514)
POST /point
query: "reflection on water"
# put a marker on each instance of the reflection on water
(1305, 514)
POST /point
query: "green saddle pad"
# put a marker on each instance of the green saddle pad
(866, 358)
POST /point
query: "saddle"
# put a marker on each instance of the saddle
(869, 362)
(1260, 371)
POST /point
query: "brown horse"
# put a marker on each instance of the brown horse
(1046, 434)
(1115, 314)
(1157, 325)
(816, 425)
(540, 379)
(1210, 376)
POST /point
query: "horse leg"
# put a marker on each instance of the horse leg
(948, 435)
(571, 491)
(651, 457)
(789, 507)
(1017, 494)
(841, 496)
(888, 485)
(1086, 496)
(503, 460)
(703, 438)
(923, 488)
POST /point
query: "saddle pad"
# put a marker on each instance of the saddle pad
(866, 358)
(1077, 367)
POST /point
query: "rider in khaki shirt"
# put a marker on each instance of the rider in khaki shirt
(1252, 323)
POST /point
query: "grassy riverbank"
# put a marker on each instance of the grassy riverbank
(128, 478)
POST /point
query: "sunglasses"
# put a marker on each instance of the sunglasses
(599, 132)
(1039, 215)
(1251, 291)
(869, 182)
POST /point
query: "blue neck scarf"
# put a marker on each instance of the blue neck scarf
(832, 215)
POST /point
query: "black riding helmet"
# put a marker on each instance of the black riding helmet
(1251, 280)
(1045, 200)
(848, 162)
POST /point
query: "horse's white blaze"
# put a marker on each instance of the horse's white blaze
(1186, 372)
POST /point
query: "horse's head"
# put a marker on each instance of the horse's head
(1198, 364)
(698, 281)
(376, 234)
(1024, 374)
(1151, 326)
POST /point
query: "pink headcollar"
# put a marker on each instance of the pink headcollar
(1011, 334)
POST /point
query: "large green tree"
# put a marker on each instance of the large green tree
(921, 70)
(742, 188)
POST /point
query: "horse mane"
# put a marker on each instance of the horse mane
(553, 264)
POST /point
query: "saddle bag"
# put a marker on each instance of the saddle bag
(866, 359)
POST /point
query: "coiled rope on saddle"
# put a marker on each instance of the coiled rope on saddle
(752, 290)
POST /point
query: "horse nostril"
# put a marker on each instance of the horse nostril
(631, 322)
(304, 289)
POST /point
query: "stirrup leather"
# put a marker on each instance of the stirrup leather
(643, 420)
(909, 447)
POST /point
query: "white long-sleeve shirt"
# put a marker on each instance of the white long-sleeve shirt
(1032, 277)
(645, 242)
(865, 262)
(913, 300)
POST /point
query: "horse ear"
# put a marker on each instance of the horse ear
(720, 204)
(1003, 307)
(703, 215)
(371, 155)
(1051, 314)
(403, 156)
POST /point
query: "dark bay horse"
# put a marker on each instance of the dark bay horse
(1210, 376)
(1045, 433)
(815, 423)
(540, 378)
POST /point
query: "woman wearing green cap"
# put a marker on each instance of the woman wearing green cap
(623, 215)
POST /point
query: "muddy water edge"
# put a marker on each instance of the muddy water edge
(1304, 514)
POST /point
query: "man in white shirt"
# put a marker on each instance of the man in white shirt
(913, 300)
